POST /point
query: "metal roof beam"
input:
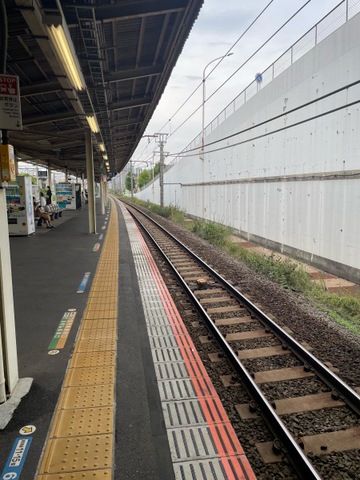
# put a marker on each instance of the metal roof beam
(130, 10)
(127, 122)
(135, 102)
(134, 73)
(41, 118)
(40, 89)
(66, 134)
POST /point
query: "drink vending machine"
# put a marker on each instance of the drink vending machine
(68, 195)
(20, 208)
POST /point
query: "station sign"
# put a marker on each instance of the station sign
(10, 106)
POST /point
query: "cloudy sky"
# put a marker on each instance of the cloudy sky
(218, 27)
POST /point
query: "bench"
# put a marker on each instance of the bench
(53, 210)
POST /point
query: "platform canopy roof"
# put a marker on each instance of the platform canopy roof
(124, 53)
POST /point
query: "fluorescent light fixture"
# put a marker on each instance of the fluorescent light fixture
(65, 50)
(93, 124)
(105, 157)
(102, 147)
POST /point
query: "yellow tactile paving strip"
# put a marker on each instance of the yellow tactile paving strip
(80, 442)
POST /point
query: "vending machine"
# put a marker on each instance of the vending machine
(66, 195)
(20, 208)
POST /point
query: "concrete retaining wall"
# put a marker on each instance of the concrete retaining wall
(298, 189)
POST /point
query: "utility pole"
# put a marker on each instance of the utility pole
(161, 140)
(131, 180)
(153, 172)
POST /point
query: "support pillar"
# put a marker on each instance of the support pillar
(90, 181)
(102, 195)
(9, 372)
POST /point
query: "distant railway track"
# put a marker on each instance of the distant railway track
(281, 376)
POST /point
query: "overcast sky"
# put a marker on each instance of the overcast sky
(218, 27)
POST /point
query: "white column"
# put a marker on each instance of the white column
(90, 181)
(102, 195)
(9, 373)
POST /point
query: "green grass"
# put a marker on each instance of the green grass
(172, 213)
(343, 309)
(216, 234)
(286, 273)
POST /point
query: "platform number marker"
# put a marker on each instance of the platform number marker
(16, 459)
(83, 283)
(62, 332)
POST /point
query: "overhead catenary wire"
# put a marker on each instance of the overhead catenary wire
(214, 68)
(276, 117)
(309, 119)
(243, 64)
(218, 63)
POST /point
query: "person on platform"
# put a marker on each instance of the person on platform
(43, 201)
(40, 212)
(48, 195)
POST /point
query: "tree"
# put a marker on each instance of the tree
(128, 181)
(157, 169)
(144, 178)
(33, 179)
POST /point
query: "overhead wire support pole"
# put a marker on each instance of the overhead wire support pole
(202, 154)
(131, 179)
(161, 140)
(203, 103)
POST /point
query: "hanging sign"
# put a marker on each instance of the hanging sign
(10, 107)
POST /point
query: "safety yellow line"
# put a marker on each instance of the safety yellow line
(80, 442)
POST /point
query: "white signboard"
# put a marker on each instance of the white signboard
(10, 107)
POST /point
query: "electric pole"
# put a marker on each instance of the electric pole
(161, 140)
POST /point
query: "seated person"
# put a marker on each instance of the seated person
(39, 212)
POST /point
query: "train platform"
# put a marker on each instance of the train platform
(118, 390)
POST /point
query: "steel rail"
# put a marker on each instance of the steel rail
(345, 393)
(299, 461)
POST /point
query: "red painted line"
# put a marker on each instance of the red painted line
(224, 437)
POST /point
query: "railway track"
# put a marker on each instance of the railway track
(282, 377)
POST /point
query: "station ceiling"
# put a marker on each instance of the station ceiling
(126, 51)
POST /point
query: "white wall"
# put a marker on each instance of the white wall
(297, 190)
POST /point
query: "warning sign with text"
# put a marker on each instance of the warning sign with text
(10, 107)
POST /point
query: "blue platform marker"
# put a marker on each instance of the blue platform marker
(16, 460)
(83, 283)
